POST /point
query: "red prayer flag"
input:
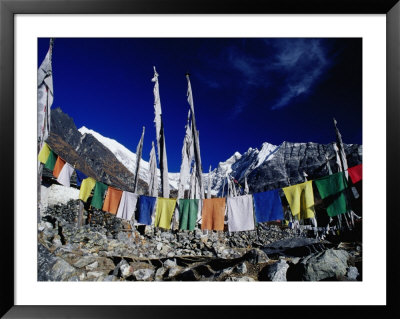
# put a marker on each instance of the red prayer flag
(355, 173)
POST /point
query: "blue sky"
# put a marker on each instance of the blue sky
(246, 91)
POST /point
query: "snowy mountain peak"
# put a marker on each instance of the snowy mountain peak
(125, 156)
(237, 165)
(232, 159)
(266, 153)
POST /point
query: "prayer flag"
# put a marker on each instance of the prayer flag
(138, 159)
(58, 167)
(153, 180)
(213, 213)
(301, 199)
(188, 209)
(209, 183)
(341, 151)
(112, 200)
(196, 144)
(79, 177)
(355, 173)
(164, 211)
(44, 153)
(64, 178)
(187, 157)
(51, 161)
(268, 206)
(127, 205)
(86, 188)
(44, 96)
(331, 188)
(162, 151)
(98, 195)
(146, 209)
(240, 213)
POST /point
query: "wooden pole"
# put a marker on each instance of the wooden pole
(80, 214)
(39, 189)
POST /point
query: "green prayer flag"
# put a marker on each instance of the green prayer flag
(188, 213)
(331, 188)
(98, 195)
(51, 161)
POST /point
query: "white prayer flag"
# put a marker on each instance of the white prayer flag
(44, 97)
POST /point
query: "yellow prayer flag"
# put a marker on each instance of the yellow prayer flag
(44, 153)
(86, 188)
(164, 211)
(301, 199)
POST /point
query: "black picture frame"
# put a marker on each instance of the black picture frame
(8, 10)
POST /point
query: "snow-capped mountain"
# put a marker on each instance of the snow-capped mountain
(237, 165)
(128, 158)
(270, 167)
(264, 168)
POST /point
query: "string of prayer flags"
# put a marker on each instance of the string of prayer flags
(86, 188)
(111, 203)
(44, 153)
(212, 213)
(58, 166)
(98, 195)
(188, 209)
(268, 206)
(331, 188)
(164, 211)
(79, 177)
(146, 207)
(64, 178)
(355, 173)
(51, 160)
(240, 213)
(127, 205)
(301, 199)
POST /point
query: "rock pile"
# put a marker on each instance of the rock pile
(105, 248)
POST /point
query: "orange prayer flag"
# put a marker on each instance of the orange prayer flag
(58, 166)
(112, 200)
(213, 213)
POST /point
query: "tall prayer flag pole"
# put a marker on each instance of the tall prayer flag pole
(44, 101)
(199, 173)
(162, 151)
(187, 156)
(45, 96)
(342, 154)
(153, 180)
(193, 180)
(246, 186)
(341, 157)
(209, 184)
(139, 150)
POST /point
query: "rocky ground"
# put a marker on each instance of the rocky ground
(106, 249)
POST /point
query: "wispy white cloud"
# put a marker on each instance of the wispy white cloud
(291, 66)
(251, 68)
(208, 80)
(282, 68)
(303, 62)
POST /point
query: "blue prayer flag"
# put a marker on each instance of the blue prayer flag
(79, 177)
(268, 206)
(146, 209)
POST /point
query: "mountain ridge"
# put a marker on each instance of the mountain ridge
(273, 166)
